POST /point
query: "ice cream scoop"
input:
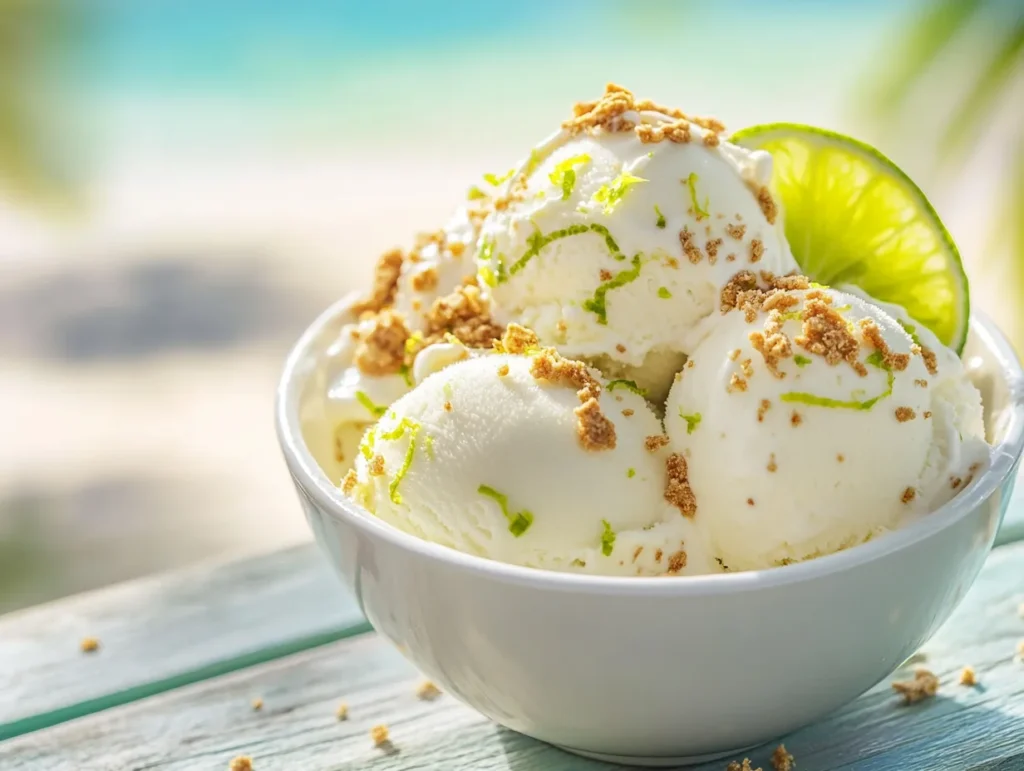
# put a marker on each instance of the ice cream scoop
(812, 421)
(617, 234)
(532, 459)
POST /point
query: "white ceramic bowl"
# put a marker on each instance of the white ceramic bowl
(655, 671)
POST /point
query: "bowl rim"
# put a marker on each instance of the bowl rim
(311, 479)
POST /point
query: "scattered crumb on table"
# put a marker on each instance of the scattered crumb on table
(967, 677)
(379, 734)
(1020, 649)
(241, 763)
(257, 705)
(342, 711)
(89, 644)
(782, 760)
(923, 686)
(744, 766)
(428, 691)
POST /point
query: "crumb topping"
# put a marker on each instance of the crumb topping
(772, 465)
(921, 383)
(595, 431)
(931, 362)
(690, 249)
(518, 340)
(782, 760)
(447, 406)
(762, 409)
(620, 348)
(464, 314)
(756, 250)
(764, 199)
(736, 231)
(551, 366)
(677, 489)
(655, 442)
(771, 343)
(711, 247)
(903, 414)
(424, 280)
(926, 414)
(873, 334)
(385, 282)
(381, 351)
(503, 370)
(427, 691)
(376, 467)
(967, 677)
(677, 561)
(677, 131)
(826, 334)
(349, 482)
(923, 686)
(734, 354)
(736, 383)
(744, 766)
(908, 495)
(795, 419)
(627, 413)
(955, 482)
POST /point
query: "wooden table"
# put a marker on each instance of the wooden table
(183, 657)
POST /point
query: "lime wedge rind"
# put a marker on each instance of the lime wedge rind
(930, 282)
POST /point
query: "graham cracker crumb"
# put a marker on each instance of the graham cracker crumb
(349, 482)
(761, 410)
(771, 342)
(782, 760)
(89, 645)
(593, 428)
(456, 248)
(620, 348)
(712, 140)
(385, 282)
(711, 247)
(606, 113)
(677, 489)
(926, 414)
(967, 677)
(747, 368)
(377, 466)
(677, 131)
(636, 552)
(730, 257)
(657, 555)
(379, 734)
(924, 686)
(424, 280)
(736, 231)
(241, 763)
(750, 501)
(921, 383)
(955, 482)
(627, 413)
(795, 419)
(734, 354)
(549, 365)
(756, 250)
(895, 361)
(772, 465)
(690, 249)
(840, 458)
(744, 766)
(931, 362)
(447, 406)
(341, 713)
(427, 691)
(672, 262)
(689, 363)
(382, 350)
(464, 314)
(655, 442)
(517, 339)
(677, 561)
(908, 495)
(765, 201)
(257, 705)
(825, 334)
(736, 383)
(503, 370)
(903, 414)
(605, 275)
(561, 326)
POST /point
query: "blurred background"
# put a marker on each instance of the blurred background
(184, 184)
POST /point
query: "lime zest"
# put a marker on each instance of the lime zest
(800, 360)
(663, 293)
(660, 222)
(612, 193)
(366, 444)
(813, 400)
(911, 331)
(406, 372)
(692, 421)
(691, 183)
(428, 445)
(377, 410)
(397, 433)
(412, 342)
(630, 473)
(598, 303)
(538, 241)
(536, 159)
(607, 539)
(497, 181)
(629, 385)
(475, 194)
(518, 522)
(578, 563)
(564, 175)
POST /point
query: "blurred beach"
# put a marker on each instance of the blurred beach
(241, 164)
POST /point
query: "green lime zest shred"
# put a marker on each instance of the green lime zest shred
(406, 372)
(495, 180)
(538, 241)
(367, 443)
(475, 194)
(630, 473)
(413, 342)
(428, 445)
(377, 410)
(518, 522)
(660, 222)
(663, 293)
(598, 303)
(791, 316)
(611, 194)
(536, 159)
(691, 183)
(607, 539)
(800, 360)
(692, 421)
(911, 331)
(813, 400)
(397, 433)
(564, 175)
(629, 385)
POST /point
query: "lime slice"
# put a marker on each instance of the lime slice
(852, 217)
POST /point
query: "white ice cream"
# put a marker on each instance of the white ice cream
(821, 457)
(589, 253)
(490, 462)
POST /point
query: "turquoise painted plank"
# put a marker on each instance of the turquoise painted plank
(164, 632)
(207, 724)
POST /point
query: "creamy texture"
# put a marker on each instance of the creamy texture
(488, 460)
(589, 254)
(824, 456)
